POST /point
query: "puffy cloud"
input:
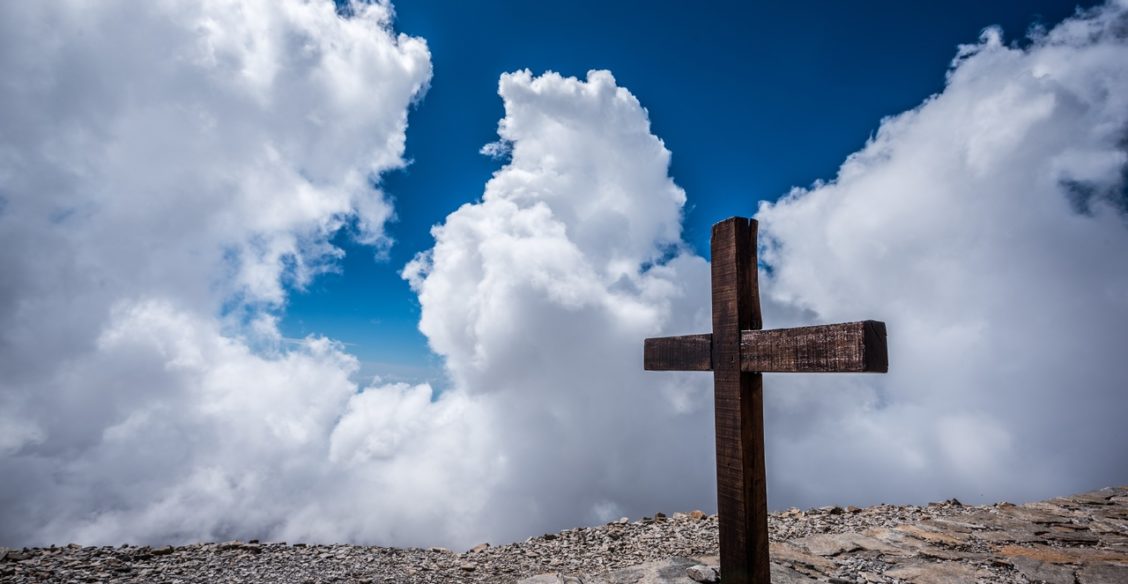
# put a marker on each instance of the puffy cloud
(987, 227)
(539, 295)
(167, 171)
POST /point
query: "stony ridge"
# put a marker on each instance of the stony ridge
(1082, 539)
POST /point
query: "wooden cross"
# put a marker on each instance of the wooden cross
(737, 353)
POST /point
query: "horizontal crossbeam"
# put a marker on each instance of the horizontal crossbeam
(853, 347)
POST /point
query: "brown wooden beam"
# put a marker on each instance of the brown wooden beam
(687, 353)
(853, 347)
(742, 502)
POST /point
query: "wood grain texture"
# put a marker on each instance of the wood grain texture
(738, 397)
(686, 353)
(853, 347)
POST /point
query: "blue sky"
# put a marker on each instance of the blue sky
(751, 98)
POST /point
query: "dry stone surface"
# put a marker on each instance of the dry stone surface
(1081, 539)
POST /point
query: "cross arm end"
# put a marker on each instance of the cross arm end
(684, 353)
(852, 347)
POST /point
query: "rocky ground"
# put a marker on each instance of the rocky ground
(1081, 539)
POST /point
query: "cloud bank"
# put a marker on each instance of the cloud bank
(538, 296)
(167, 172)
(988, 228)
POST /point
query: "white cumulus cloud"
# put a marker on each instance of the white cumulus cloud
(538, 298)
(167, 171)
(987, 227)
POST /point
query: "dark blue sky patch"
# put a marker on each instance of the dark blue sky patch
(1080, 195)
(1083, 195)
(751, 99)
(667, 253)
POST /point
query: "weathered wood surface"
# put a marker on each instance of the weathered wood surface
(852, 347)
(738, 397)
(684, 353)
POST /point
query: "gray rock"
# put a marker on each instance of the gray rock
(669, 571)
(1101, 497)
(1037, 571)
(833, 544)
(796, 558)
(703, 573)
(1103, 574)
(553, 578)
(934, 573)
(903, 543)
(1018, 534)
(1072, 536)
(784, 575)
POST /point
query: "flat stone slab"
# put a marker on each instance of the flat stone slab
(833, 544)
(1103, 574)
(670, 571)
(1037, 571)
(934, 573)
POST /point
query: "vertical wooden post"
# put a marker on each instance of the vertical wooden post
(742, 498)
(741, 490)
